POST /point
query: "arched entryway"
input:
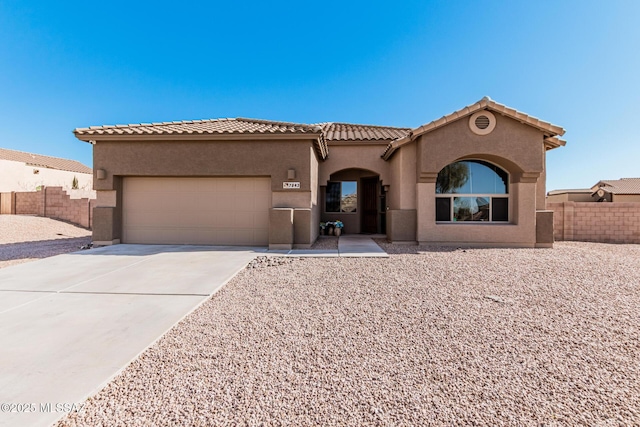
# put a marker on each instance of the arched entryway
(357, 198)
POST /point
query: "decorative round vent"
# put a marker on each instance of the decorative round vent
(482, 122)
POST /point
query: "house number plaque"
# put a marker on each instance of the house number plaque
(290, 185)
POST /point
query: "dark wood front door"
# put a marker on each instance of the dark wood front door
(370, 205)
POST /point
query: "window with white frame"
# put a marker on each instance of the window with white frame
(342, 196)
(472, 191)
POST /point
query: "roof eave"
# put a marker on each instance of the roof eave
(192, 136)
(552, 142)
(394, 145)
(549, 129)
(319, 142)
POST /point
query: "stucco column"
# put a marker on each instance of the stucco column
(281, 231)
(525, 210)
(426, 209)
(107, 214)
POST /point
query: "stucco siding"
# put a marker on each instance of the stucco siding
(360, 156)
(514, 146)
(402, 190)
(272, 159)
(204, 158)
(17, 176)
(622, 198)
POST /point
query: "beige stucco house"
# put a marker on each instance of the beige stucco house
(21, 171)
(473, 177)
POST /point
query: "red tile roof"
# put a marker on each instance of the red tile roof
(44, 161)
(213, 126)
(550, 130)
(354, 132)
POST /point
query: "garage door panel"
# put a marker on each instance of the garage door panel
(262, 186)
(203, 217)
(261, 220)
(261, 235)
(226, 185)
(244, 237)
(226, 201)
(159, 219)
(243, 220)
(245, 202)
(263, 201)
(245, 186)
(217, 211)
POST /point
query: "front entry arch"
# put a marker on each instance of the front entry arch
(353, 196)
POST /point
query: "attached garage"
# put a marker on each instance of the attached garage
(198, 211)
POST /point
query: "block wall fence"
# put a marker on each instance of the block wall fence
(596, 222)
(51, 202)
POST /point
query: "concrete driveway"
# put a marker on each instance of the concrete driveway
(69, 323)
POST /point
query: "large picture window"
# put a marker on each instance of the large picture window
(472, 190)
(342, 197)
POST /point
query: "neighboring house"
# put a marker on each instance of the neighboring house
(573, 195)
(618, 190)
(473, 177)
(20, 171)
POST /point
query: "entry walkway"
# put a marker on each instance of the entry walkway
(359, 246)
(349, 246)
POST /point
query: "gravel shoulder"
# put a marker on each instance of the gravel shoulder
(26, 238)
(429, 336)
(326, 243)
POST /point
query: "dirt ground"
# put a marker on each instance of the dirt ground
(26, 238)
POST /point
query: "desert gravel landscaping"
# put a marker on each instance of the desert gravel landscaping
(429, 336)
(26, 238)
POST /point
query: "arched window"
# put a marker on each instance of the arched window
(472, 190)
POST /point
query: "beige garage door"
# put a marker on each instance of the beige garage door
(198, 211)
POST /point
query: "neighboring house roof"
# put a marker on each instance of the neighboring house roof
(199, 127)
(572, 190)
(551, 131)
(354, 132)
(41, 161)
(619, 186)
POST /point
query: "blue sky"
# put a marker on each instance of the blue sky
(576, 64)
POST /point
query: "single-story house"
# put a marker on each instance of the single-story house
(473, 177)
(617, 190)
(611, 190)
(20, 171)
(570, 195)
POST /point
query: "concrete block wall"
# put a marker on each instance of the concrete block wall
(596, 222)
(60, 205)
(30, 203)
(54, 202)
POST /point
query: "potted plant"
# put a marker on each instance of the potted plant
(338, 227)
(323, 227)
(330, 228)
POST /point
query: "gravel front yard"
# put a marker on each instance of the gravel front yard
(431, 336)
(26, 238)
